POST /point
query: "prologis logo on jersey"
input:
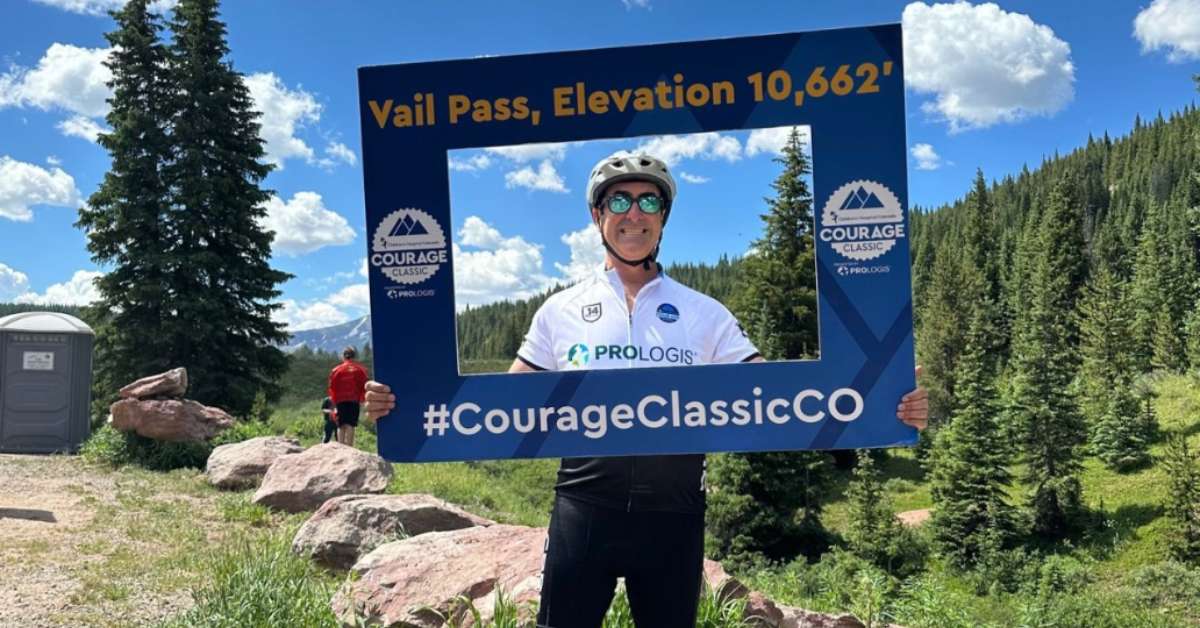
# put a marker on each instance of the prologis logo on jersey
(409, 246)
(862, 220)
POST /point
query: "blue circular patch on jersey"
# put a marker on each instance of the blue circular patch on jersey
(667, 313)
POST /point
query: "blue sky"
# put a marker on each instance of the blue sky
(991, 86)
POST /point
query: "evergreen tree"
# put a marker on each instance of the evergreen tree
(770, 503)
(1182, 465)
(940, 337)
(969, 466)
(875, 534)
(1045, 362)
(778, 291)
(767, 505)
(218, 322)
(1107, 399)
(125, 218)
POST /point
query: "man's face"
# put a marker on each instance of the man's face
(633, 234)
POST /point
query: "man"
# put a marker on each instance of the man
(641, 518)
(346, 383)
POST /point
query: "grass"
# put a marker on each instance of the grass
(255, 580)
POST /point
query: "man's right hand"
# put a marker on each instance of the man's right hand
(380, 400)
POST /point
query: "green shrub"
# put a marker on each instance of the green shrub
(111, 447)
(1171, 586)
(260, 582)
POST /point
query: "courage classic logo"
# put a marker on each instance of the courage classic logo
(862, 220)
(409, 246)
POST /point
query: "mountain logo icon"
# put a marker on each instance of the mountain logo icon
(407, 226)
(861, 199)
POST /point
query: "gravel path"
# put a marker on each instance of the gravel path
(63, 527)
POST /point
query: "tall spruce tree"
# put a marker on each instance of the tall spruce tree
(777, 302)
(1045, 362)
(221, 283)
(770, 503)
(1181, 462)
(875, 534)
(125, 219)
(969, 474)
(1164, 287)
(1107, 374)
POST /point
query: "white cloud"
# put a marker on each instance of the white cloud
(338, 151)
(356, 296)
(587, 252)
(362, 269)
(284, 111)
(304, 224)
(503, 268)
(82, 127)
(927, 158)
(78, 291)
(674, 148)
(66, 77)
(312, 316)
(12, 282)
(471, 164)
(476, 232)
(53, 160)
(984, 65)
(1170, 24)
(637, 4)
(24, 185)
(544, 178)
(692, 178)
(352, 301)
(524, 153)
(771, 141)
(102, 7)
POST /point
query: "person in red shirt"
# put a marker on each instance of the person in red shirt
(346, 387)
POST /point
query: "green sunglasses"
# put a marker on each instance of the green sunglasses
(621, 202)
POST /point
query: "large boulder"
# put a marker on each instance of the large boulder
(725, 586)
(172, 383)
(303, 481)
(417, 581)
(346, 527)
(169, 419)
(240, 465)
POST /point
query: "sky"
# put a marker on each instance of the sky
(992, 86)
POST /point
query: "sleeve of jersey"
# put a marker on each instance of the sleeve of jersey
(537, 349)
(732, 344)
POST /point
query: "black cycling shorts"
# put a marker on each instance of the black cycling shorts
(660, 555)
(347, 413)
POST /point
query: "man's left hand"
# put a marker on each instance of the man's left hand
(913, 410)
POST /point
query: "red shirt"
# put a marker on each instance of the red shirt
(347, 382)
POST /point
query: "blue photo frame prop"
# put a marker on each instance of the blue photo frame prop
(845, 84)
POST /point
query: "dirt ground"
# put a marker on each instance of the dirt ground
(71, 554)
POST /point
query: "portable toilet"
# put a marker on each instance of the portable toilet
(45, 382)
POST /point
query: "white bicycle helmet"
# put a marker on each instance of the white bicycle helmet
(625, 166)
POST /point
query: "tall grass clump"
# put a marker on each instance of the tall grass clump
(259, 582)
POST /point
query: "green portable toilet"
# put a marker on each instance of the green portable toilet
(45, 382)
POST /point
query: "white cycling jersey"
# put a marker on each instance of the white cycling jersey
(589, 326)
